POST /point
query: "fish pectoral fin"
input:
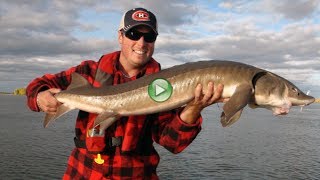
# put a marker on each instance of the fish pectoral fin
(105, 119)
(233, 108)
(231, 120)
(62, 109)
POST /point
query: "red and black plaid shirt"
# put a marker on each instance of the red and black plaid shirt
(136, 158)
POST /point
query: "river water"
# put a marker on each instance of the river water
(258, 146)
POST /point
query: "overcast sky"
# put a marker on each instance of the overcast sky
(48, 36)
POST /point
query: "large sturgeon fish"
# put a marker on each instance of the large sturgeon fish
(243, 84)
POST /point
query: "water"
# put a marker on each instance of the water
(259, 146)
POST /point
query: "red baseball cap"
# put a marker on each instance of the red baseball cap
(136, 17)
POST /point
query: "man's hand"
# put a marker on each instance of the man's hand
(47, 102)
(193, 109)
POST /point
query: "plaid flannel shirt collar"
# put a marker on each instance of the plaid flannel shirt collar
(152, 66)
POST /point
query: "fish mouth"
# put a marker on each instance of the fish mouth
(282, 110)
(285, 108)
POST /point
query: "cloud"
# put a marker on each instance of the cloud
(46, 27)
(48, 36)
(290, 50)
(245, 41)
(294, 10)
(19, 42)
(291, 10)
(168, 12)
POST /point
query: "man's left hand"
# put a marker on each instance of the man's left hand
(193, 109)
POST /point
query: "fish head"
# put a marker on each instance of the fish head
(278, 94)
(269, 90)
(296, 96)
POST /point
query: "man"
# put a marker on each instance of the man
(126, 150)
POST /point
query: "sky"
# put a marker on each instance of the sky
(48, 36)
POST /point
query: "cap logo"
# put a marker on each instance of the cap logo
(140, 16)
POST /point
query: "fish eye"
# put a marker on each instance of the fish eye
(296, 90)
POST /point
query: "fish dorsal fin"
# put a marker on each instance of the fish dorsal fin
(103, 78)
(77, 81)
(233, 108)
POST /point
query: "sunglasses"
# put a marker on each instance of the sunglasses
(135, 35)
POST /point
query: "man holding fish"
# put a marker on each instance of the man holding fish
(124, 149)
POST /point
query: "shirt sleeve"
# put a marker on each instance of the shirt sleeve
(174, 134)
(60, 80)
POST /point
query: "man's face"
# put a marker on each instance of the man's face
(136, 52)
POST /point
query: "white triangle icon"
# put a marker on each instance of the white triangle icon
(159, 89)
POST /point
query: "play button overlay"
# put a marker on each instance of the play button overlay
(160, 90)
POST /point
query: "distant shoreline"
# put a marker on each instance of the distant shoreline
(5, 93)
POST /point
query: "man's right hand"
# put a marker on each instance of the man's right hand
(47, 102)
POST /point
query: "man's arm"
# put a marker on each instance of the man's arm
(40, 91)
(175, 130)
